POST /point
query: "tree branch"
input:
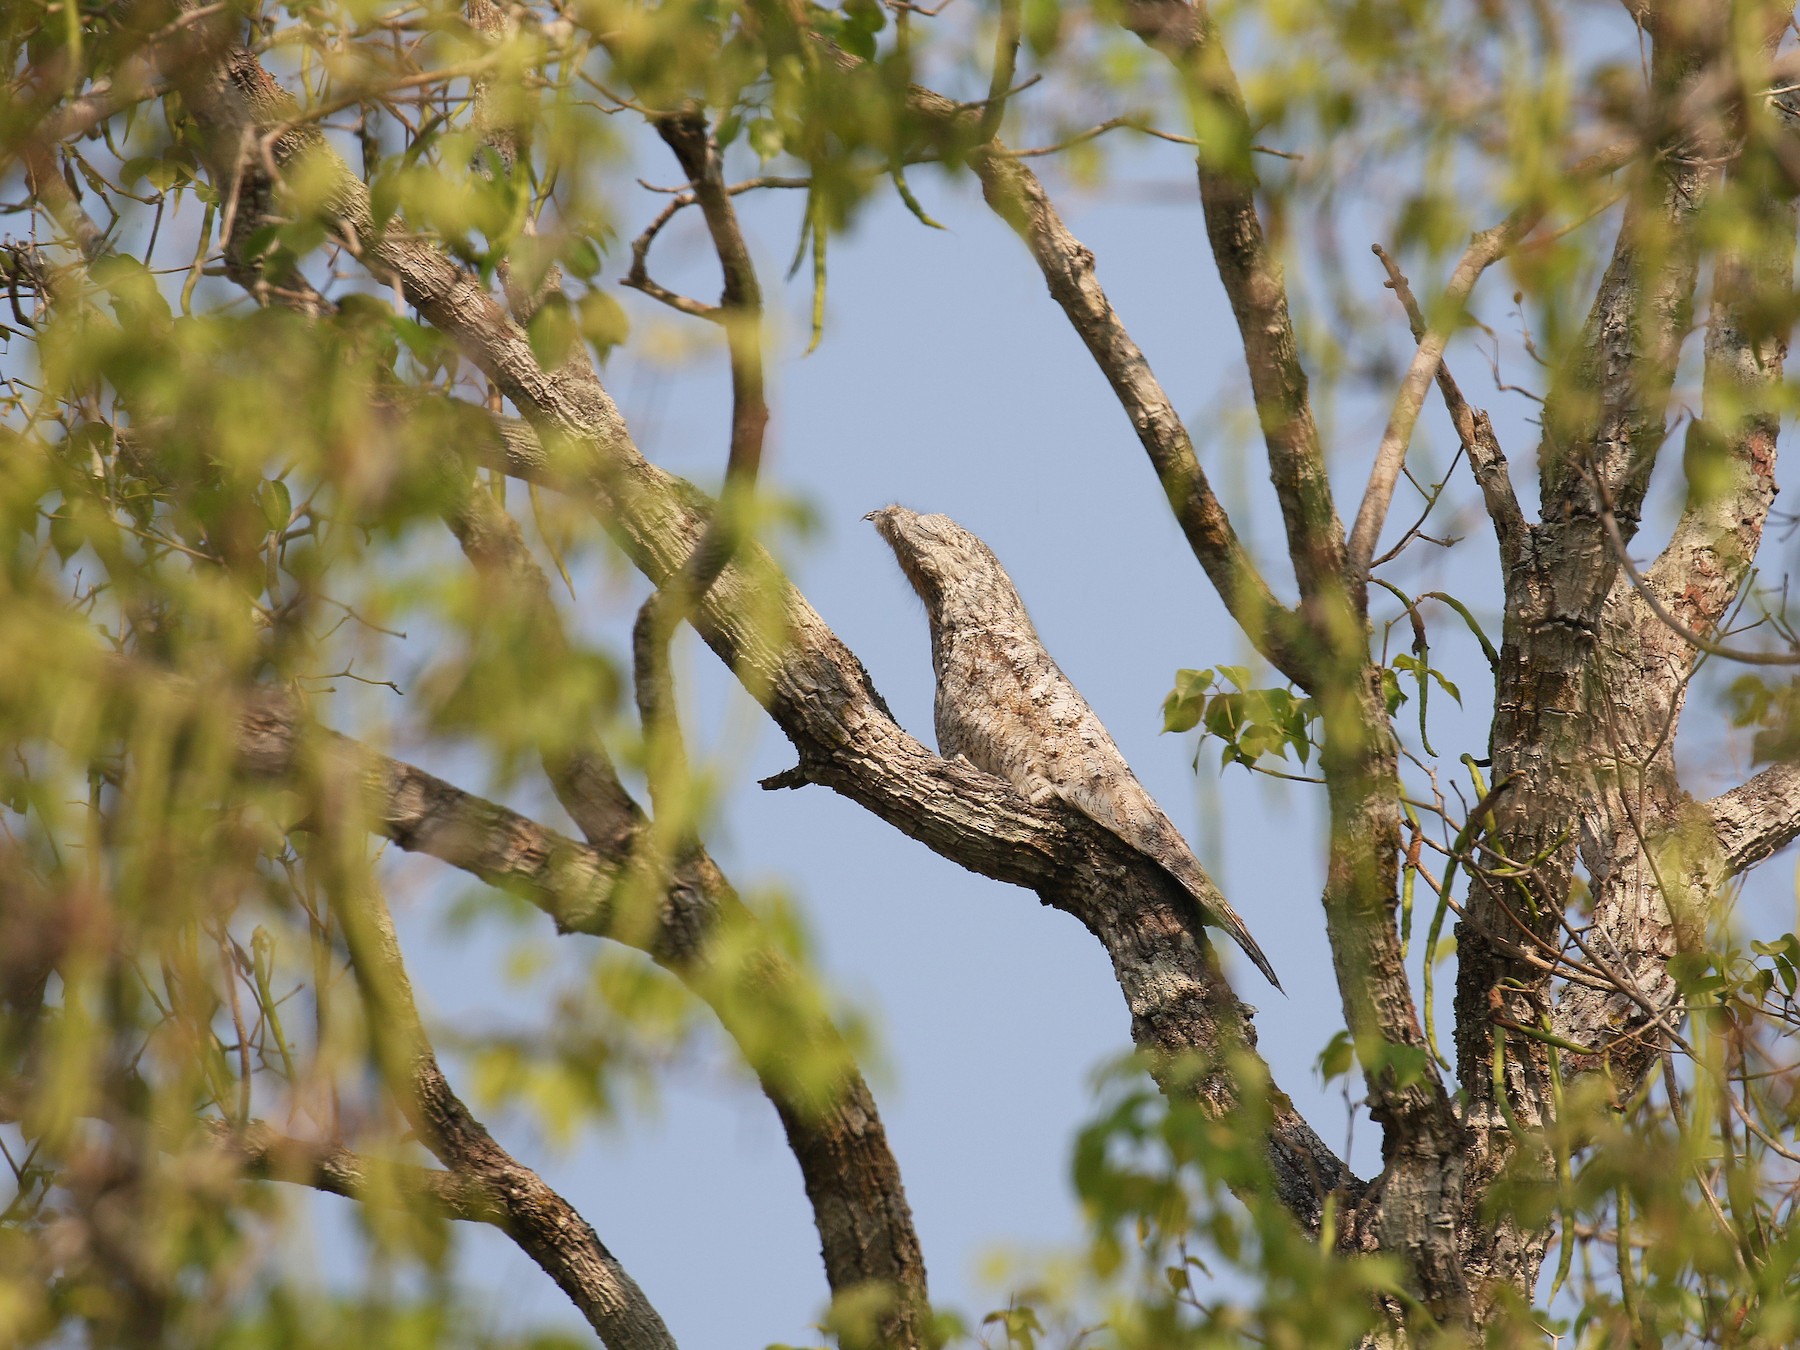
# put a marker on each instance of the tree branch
(266, 1155)
(1486, 459)
(1184, 33)
(740, 312)
(544, 1224)
(1756, 819)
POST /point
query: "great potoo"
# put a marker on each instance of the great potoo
(1003, 705)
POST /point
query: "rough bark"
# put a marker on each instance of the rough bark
(1591, 683)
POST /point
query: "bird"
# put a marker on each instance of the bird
(1004, 706)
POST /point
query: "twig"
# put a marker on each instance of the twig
(1006, 58)
(1128, 122)
(1485, 249)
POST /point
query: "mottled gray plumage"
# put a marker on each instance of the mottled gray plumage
(1003, 705)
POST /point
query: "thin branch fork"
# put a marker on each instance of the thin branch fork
(1616, 543)
(740, 310)
(1474, 431)
(139, 76)
(638, 275)
(1485, 249)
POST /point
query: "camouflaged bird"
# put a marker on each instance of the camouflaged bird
(1003, 705)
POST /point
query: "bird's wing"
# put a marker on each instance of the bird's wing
(1090, 774)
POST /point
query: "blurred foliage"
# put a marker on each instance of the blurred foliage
(211, 485)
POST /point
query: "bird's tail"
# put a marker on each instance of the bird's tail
(1171, 850)
(1233, 925)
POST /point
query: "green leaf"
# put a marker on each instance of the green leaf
(1336, 1059)
(764, 137)
(603, 321)
(1391, 693)
(582, 257)
(66, 536)
(1187, 700)
(276, 502)
(1041, 25)
(553, 332)
(866, 14)
(859, 42)
(1407, 1063)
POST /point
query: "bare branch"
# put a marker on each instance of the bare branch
(740, 313)
(1484, 250)
(1473, 430)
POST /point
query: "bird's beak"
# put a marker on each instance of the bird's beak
(871, 515)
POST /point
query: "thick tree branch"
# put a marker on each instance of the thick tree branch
(1647, 591)
(1421, 1135)
(1756, 819)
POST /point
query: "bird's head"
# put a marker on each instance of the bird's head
(948, 567)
